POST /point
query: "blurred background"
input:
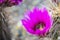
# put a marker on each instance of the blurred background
(14, 15)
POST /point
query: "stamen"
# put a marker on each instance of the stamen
(40, 26)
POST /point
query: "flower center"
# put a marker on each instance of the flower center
(40, 26)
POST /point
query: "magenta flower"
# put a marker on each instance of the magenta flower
(1, 1)
(14, 2)
(37, 22)
(9, 2)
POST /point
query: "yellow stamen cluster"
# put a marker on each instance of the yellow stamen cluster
(41, 27)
